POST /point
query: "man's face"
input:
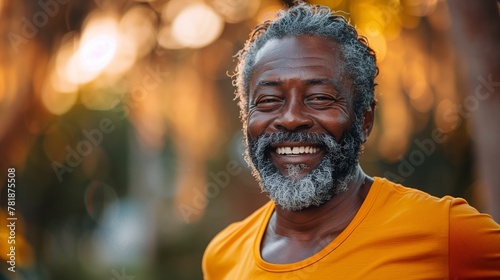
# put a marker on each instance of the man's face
(302, 137)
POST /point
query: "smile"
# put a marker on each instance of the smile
(296, 150)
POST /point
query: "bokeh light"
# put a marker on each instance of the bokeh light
(60, 99)
(138, 26)
(196, 26)
(235, 11)
(97, 47)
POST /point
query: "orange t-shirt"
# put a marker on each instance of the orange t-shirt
(398, 233)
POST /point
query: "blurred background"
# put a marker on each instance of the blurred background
(120, 121)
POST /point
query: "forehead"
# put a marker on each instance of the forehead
(298, 57)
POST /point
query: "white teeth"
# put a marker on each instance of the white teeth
(296, 150)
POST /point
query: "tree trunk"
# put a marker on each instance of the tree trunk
(476, 32)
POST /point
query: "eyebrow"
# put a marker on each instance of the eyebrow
(268, 83)
(318, 82)
(336, 85)
(307, 82)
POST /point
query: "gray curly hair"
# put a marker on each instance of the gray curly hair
(305, 19)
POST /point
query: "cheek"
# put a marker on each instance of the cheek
(253, 128)
(336, 126)
(256, 125)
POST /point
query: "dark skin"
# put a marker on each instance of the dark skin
(298, 84)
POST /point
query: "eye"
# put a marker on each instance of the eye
(268, 102)
(320, 99)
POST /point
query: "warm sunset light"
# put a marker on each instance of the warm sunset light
(197, 26)
(58, 96)
(98, 45)
(235, 11)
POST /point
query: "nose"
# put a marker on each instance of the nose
(293, 117)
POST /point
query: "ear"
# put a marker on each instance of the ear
(368, 120)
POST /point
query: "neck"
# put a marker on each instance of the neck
(328, 219)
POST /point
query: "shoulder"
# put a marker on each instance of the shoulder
(474, 245)
(455, 210)
(242, 229)
(473, 237)
(411, 197)
(407, 210)
(237, 238)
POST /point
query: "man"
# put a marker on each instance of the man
(306, 87)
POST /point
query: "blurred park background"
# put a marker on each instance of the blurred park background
(120, 120)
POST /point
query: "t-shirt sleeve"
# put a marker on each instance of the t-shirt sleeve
(474, 245)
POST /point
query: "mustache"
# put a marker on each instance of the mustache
(264, 141)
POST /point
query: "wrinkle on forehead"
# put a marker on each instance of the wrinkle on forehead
(301, 52)
(291, 52)
(275, 46)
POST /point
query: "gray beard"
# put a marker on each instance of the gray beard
(329, 178)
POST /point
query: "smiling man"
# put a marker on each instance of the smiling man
(306, 88)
